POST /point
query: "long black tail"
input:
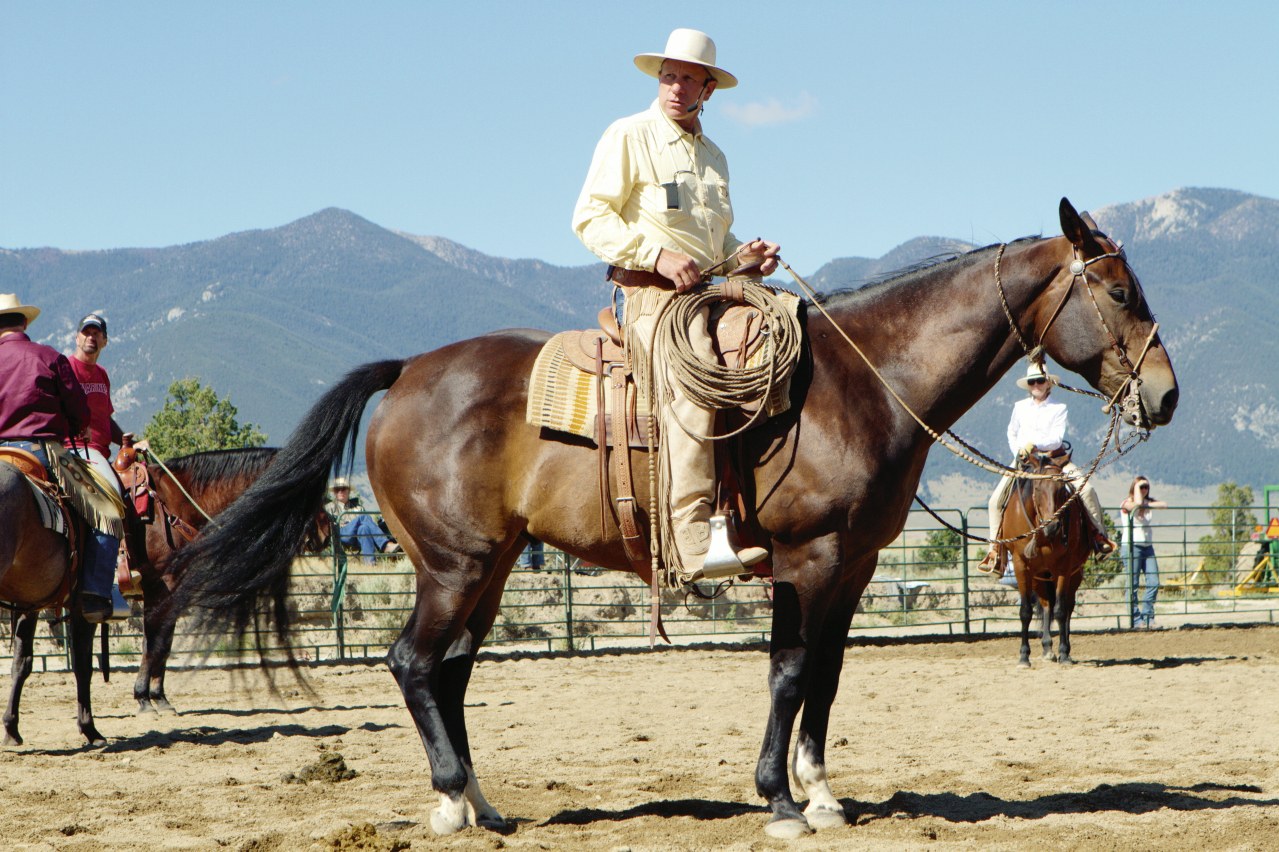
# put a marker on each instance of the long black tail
(237, 573)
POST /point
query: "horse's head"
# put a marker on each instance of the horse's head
(1094, 320)
(1043, 499)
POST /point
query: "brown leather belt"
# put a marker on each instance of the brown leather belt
(639, 278)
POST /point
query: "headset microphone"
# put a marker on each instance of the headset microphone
(697, 104)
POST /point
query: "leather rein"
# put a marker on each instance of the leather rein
(1132, 402)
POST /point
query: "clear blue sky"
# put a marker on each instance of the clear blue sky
(856, 125)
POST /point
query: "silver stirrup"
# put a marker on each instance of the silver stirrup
(721, 557)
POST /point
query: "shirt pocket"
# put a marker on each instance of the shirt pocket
(718, 203)
(656, 204)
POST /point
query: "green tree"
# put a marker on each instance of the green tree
(941, 549)
(1232, 522)
(194, 419)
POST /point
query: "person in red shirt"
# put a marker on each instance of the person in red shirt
(40, 398)
(95, 447)
(41, 401)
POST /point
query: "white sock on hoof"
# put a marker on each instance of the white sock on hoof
(450, 816)
(824, 810)
(482, 813)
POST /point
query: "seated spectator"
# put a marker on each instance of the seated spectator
(359, 530)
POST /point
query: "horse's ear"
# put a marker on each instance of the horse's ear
(1077, 229)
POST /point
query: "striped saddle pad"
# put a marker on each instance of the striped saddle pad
(563, 393)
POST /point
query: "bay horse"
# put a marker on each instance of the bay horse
(34, 573)
(465, 482)
(212, 479)
(1048, 557)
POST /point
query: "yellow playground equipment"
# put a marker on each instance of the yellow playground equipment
(1264, 577)
(1256, 570)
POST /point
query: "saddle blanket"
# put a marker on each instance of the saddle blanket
(51, 517)
(562, 396)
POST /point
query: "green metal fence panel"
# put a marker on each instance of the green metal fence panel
(349, 606)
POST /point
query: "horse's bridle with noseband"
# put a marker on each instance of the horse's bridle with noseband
(1130, 388)
(1132, 401)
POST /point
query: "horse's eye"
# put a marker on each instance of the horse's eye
(1120, 295)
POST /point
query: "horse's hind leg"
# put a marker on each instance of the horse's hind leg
(157, 632)
(24, 632)
(457, 667)
(432, 662)
(82, 633)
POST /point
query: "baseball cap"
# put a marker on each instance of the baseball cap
(95, 320)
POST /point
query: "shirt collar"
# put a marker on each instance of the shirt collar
(16, 336)
(672, 131)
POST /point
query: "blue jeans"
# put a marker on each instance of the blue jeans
(1142, 564)
(363, 532)
(534, 556)
(97, 565)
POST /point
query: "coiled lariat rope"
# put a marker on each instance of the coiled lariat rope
(712, 385)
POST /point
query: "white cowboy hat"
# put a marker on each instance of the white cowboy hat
(11, 304)
(687, 46)
(1036, 371)
(339, 483)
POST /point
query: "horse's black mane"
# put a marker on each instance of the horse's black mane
(214, 465)
(913, 272)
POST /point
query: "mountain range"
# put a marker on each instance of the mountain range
(270, 318)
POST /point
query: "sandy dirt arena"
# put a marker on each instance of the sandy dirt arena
(1159, 740)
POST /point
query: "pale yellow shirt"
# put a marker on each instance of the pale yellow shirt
(622, 214)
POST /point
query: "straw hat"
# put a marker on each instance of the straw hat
(341, 482)
(11, 304)
(687, 46)
(1036, 371)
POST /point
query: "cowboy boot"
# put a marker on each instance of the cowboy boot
(693, 541)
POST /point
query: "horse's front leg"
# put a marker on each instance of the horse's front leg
(24, 632)
(802, 598)
(82, 633)
(1028, 598)
(788, 659)
(1067, 587)
(808, 766)
(1048, 605)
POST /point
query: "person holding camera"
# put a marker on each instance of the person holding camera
(1138, 550)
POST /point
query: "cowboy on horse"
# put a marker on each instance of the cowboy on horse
(42, 407)
(655, 206)
(1038, 425)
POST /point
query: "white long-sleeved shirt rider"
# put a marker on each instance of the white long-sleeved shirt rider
(624, 213)
(1040, 423)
